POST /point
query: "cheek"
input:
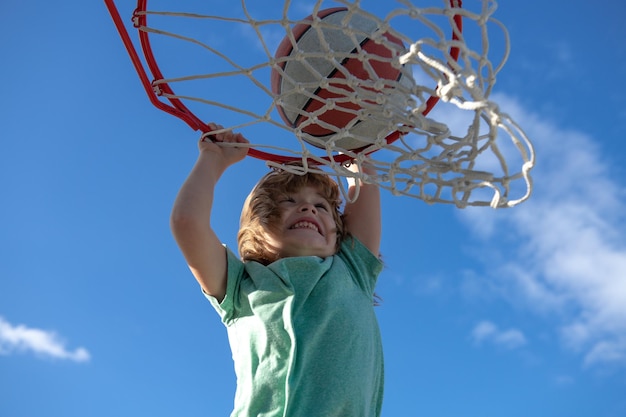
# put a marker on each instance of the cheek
(337, 223)
(333, 228)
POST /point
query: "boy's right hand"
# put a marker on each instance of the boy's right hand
(228, 154)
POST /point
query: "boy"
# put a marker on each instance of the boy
(298, 307)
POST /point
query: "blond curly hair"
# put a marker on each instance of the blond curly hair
(261, 214)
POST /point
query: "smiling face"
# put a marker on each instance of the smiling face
(307, 226)
(290, 215)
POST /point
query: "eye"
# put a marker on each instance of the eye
(287, 200)
(322, 206)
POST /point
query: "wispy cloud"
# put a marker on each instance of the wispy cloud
(487, 331)
(42, 343)
(569, 250)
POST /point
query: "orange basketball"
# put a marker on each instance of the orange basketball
(313, 93)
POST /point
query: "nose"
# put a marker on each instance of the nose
(304, 207)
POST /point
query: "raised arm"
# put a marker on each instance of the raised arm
(363, 217)
(191, 215)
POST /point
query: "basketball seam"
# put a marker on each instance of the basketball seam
(331, 75)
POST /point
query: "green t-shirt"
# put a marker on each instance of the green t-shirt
(304, 336)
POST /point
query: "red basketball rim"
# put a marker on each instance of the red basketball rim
(177, 108)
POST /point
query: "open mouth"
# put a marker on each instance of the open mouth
(306, 224)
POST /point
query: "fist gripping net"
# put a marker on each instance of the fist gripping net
(436, 133)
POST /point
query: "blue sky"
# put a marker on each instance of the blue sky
(517, 312)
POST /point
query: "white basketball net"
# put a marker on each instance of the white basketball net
(466, 151)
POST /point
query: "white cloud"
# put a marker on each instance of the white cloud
(43, 343)
(566, 250)
(487, 331)
(483, 330)
(564, 380)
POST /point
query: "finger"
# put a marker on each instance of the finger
(230, 136)
(207, 137)
(215, 137)
(239, 138)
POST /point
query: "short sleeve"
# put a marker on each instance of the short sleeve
(235, 272)
(364, 265)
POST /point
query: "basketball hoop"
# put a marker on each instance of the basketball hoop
(210, 62)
